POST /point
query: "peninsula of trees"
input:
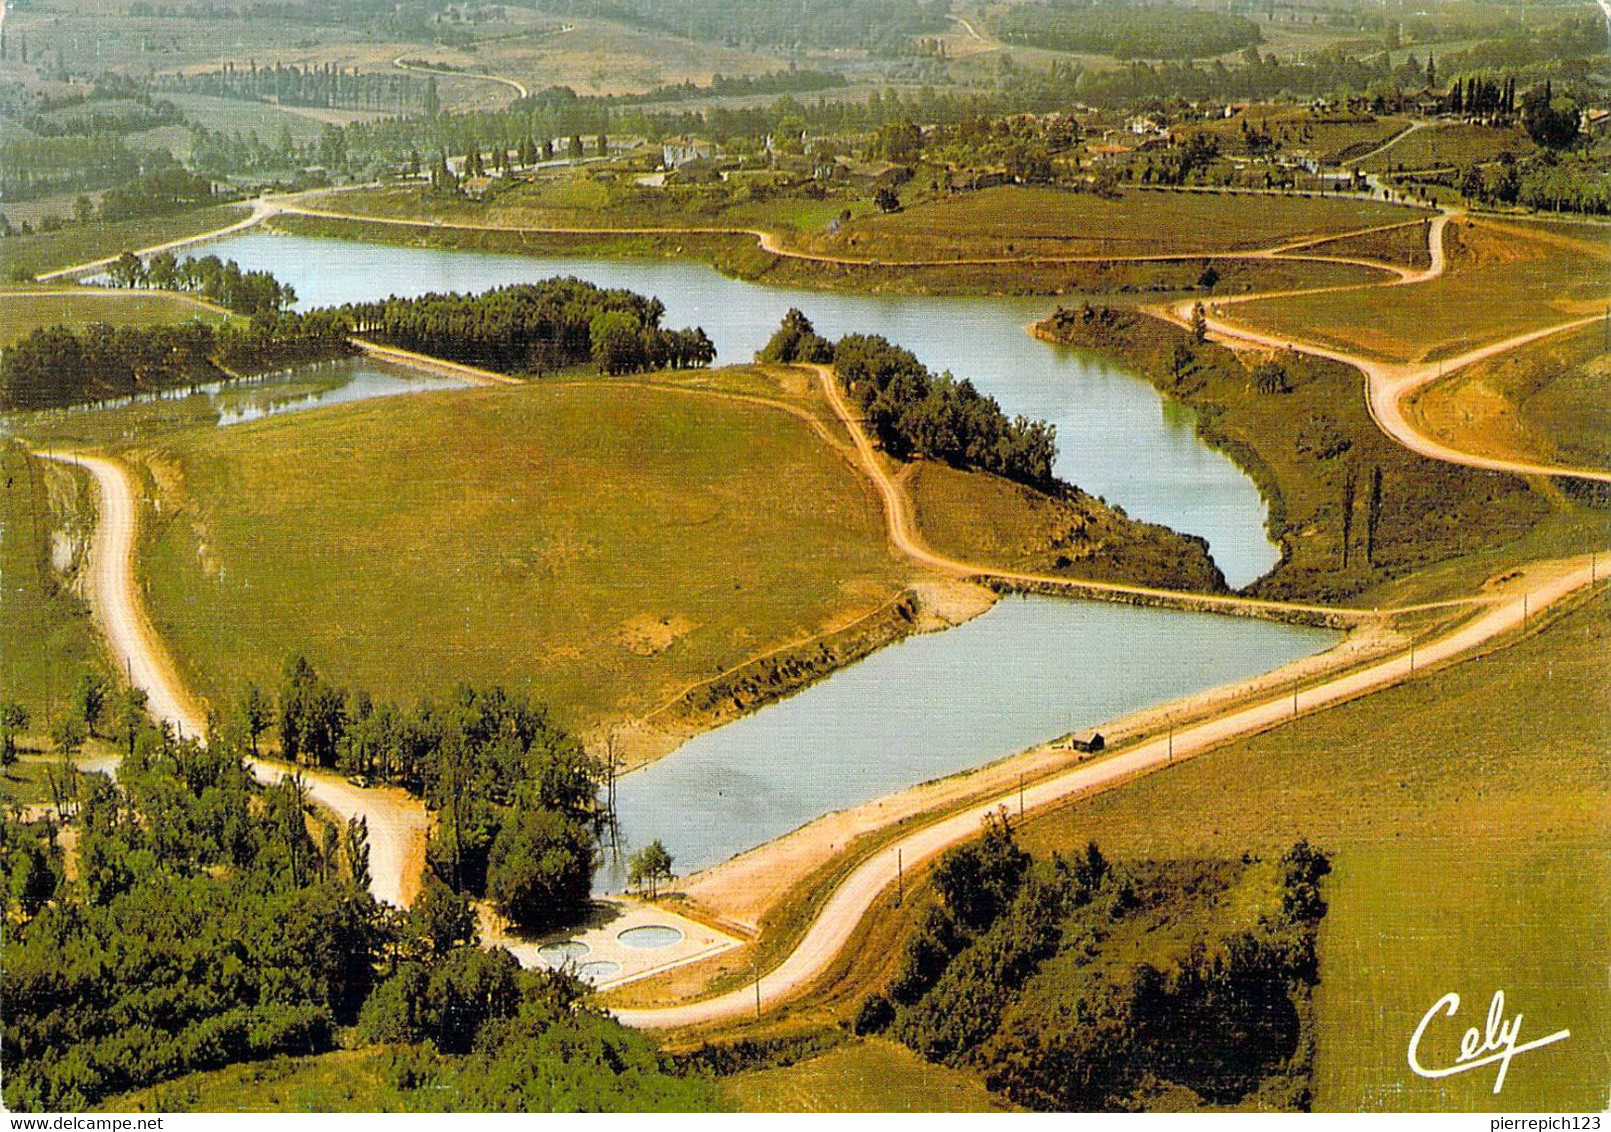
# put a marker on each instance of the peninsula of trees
(533, 328)
(914, 412)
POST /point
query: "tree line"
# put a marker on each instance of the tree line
(878, 25)
(533, 328)
(218, 281)
(57, 365)
(914, 412)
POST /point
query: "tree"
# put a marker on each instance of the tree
(130, 719)
(1199, 323)
(89, 700)
(256, 713)
(1348, 493)
(576, 150)
(127, 270)
(649, 866)
(886, 199)
(68, 735)
(1208, 278)
(540, 869)
(441, 919)
(355, 847)
(1373, 514)
(13, 719)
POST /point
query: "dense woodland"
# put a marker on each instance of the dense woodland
(214, 920)
(1074, 984)
(533, 328)
(917, 413)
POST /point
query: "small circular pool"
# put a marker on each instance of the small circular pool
(648, 937)
(558, 954)
(598, 970)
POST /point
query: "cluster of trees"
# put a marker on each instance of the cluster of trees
(38, 167)
(917, 413)
(219, 281)
(213, 920)
(1126, 30)
(326, 86)
(60, 366)
(796, 340)
(536, 328)
(516, 797)
(1549, 182)
(878, 25)
(206, 925)
(1013, 949)
(167, 190)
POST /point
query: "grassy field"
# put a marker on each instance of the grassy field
(22, 314)
(1545, 403)
(80, 243)
(604, 546)
(1504, 278)
(1449, 143)
(868, 1075)
(46, 635)
(1405, 247)
(1467, 812)
(1026, 222)
(344, 1081)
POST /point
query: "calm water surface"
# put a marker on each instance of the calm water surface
(1030, 669)
(1117, 438)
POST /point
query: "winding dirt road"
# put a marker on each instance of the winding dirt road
(1387, 384)
(398, 824)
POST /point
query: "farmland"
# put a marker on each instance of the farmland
(1025, 222)
(538, 537)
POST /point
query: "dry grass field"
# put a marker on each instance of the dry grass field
(603, 546)
(1548, 402)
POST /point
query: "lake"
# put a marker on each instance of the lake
(1117, 437)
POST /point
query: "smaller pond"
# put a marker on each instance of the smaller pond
(650, 937)
(225, 403)
(1029, 670)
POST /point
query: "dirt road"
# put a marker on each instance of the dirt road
(397, 823)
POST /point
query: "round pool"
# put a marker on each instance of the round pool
(598, 970)
(558, 954)
(649, 937)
